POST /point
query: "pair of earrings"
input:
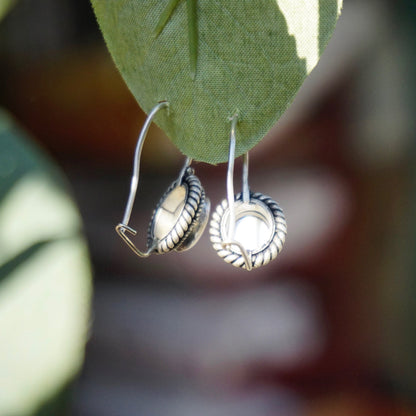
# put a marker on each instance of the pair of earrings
(247, 230)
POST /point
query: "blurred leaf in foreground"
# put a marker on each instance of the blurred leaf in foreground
(45, 278)
(4, 6)
(250, 57)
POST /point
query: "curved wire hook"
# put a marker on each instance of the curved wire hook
(123, 226)
(230, 194)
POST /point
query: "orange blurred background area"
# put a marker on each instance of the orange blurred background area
(326, 329)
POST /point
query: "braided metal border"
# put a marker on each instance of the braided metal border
(261, 258)
(179, 232)
(196, 228)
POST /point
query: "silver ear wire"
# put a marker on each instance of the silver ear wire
(181, 214)
(230, 198)
(247, 230)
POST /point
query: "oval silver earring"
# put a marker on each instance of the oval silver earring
(180, 216)
(247, 230)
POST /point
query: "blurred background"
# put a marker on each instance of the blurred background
(326, 329)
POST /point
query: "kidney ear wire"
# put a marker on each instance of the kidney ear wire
(181, 214)
(247, 230)
(230, 240)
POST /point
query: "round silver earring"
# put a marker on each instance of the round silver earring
(247, 230)
(180, 216)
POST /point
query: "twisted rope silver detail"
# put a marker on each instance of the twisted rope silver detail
(261, 258)
(195, 197)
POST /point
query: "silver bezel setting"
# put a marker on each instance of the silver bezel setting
(229, 252)
(191, 222)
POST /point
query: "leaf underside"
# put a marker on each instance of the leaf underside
(252, 57)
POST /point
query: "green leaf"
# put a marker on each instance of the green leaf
(165, 15)
(45, 278)
(251, 58)
(5, 6)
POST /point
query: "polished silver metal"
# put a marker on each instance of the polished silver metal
(247, 230)
(181, 214)
(137, 155)
(260, 230)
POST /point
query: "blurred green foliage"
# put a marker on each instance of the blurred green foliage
(4, 6)
(45, 277)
